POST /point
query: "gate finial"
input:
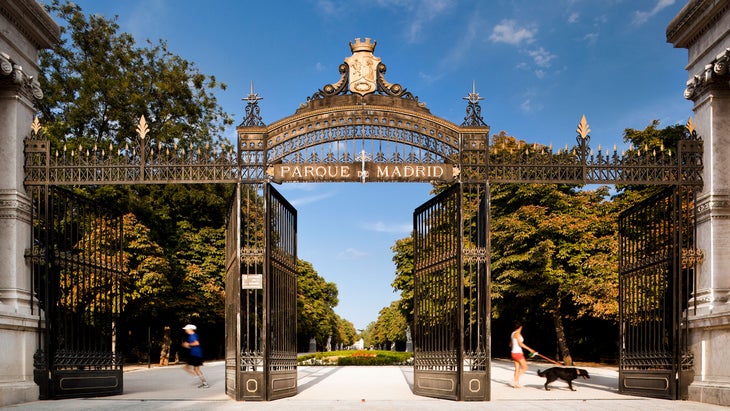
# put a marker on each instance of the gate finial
(473, 109)
(583, 128)
(253, 111)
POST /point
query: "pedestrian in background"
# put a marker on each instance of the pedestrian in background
(195, 356)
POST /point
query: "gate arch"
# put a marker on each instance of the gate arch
(363, 128)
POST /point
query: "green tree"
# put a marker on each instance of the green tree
(390, 327)
(316, 299)
(554, 251)
(146, 287)
(346, 332)
(403, 282)
(98, 82)
(201, 289)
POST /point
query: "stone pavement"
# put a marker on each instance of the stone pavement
(363, 388)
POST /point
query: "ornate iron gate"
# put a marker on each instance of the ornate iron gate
(261, 295)
(370, 131)
(77, 267)
(451, 296)
(656, 270)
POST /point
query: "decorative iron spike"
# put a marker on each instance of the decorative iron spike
(583, 128)
(142, 128)
(690, 126)
(35, 126)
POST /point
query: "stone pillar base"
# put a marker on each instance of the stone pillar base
(709, 337)
(18, 393)
(710, 392)
(16, 365)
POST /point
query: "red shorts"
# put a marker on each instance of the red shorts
(518, 356)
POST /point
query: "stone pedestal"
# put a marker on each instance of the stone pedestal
(703, 28)
(25, 28)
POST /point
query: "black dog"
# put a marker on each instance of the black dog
(564, 373)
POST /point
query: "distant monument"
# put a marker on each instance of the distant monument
(312, 345)
(409, 340)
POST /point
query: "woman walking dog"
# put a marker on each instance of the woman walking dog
(518, 356)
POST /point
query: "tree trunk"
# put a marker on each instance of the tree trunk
(165, 349)
(562, 342)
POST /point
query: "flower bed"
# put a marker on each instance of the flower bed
(359, 357)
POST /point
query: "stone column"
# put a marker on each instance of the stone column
(702, 28)
(25, 28)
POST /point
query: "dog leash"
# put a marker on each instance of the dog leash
(533, 354)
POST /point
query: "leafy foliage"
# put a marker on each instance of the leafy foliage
(390, 326)
(316, 299)
(98, 82)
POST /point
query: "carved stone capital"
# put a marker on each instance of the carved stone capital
(716, 76)
(12, 76)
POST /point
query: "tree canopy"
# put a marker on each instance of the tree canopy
(98, 83)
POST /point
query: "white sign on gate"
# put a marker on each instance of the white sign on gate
(252, 282)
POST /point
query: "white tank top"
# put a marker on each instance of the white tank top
(516, 342)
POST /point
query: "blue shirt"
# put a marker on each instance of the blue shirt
(195, 350)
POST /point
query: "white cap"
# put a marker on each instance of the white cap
(189, 327)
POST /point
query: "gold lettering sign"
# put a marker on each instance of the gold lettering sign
(374, 172)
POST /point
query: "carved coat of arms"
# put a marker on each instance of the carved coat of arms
(363, 67)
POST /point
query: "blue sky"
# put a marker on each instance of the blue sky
(539, 65)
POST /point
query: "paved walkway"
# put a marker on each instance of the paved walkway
(363, 388)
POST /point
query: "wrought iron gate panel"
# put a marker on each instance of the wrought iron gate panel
(438, 288)
(477, 295)
(265, 344)
(233, 292)
(250, 380)
(77, 265)
(281, 296)
(655, 282)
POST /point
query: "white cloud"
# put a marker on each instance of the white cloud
(382, 227)
(529, 104)
(573, 18)
(526, 105)
(310, 199)
(541, 57)
(641, 17)
(508, 32)
(591, 38)
(351, 254)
